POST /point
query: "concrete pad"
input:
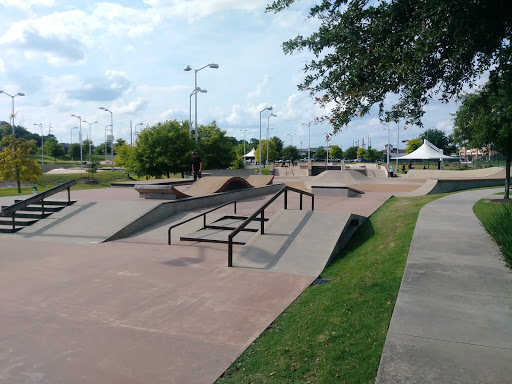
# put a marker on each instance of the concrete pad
(438, 361)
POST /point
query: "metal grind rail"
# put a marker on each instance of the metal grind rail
(197, 216)
(11, 210)
(261, 213)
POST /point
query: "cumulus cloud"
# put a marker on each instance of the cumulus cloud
(102, 89)
(134, 106)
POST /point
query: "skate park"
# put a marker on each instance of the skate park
(96, 291)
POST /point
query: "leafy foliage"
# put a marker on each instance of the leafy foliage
(53, 148)
(278, 143)
(272, 153)
(418, 50)
(361, 153)
(216, 150)
(320, 153)
(335, 152)
(439, 139)
(290, 153)
(484, 119)
(15, 161)
(163, 149)
(413, 145)
(351, 153)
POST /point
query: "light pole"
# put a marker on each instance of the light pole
(80, 141)
(90, 138)
(327, 139)
(291, 139)
(112, 130)
(194, 92)
(42, 143)
(397, 144)
(12, 97)
(135, 131)
(388, 143)
(106, 152)
(72, 134)
(268, 131)
(309, 139)
(245, 130)
(188, 68)
(263, 110)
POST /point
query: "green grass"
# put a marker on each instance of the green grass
(335, 332)
(496, 218)
(47, 181)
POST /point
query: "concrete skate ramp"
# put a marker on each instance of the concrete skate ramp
(327, 178)
(492, 172)
(298, 242)
(213, 184)
(260, 180)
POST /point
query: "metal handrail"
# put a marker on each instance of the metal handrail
(261, 211)
(195, 217)
(11, 209)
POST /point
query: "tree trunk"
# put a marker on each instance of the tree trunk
(507, 177)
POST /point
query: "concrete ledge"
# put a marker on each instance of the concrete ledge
(156, 192)
(170, 208)
(333, 190)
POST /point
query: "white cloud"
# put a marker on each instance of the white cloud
(133, 106)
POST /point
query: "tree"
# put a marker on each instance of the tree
(74, 151)
(439, 139)
(320, 153)
(335, 152)
(119, 142)
(418, 50)
(216, 150)
(413, 145)
(373, 154)
(351, 153)
(15, 161)
(278, 143)
(125, 158)
(272, 153)
(254, 143)
(290, 153)
(361, 153)
(53, 148)
(484, 119)
(163, 149)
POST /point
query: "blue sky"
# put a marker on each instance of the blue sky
(75, 57)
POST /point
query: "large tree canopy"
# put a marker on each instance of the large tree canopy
(484, 119)
(416, 49)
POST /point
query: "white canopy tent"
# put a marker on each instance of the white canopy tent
(427, 151)
(251, 154)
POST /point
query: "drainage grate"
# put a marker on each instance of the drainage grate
(320, 281)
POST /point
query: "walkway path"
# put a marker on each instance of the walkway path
(452, 322)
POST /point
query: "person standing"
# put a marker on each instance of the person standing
(197, 166)
(391, 171)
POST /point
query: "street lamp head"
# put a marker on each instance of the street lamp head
(78, 117)
(214, 65)
(20, 94)
(273, 114)
(188, 68)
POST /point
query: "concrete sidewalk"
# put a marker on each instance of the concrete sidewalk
(452, 321)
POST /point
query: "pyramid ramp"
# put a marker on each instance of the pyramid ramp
(298, 242)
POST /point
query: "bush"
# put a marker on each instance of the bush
(497, 221)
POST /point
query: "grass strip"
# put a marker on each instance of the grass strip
(335, 332)
(496, 218)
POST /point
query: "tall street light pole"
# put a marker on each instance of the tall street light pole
(72, 134)
(309, 139)
(106, 151)
(265, 109)
(135, 129)
(12, 97)
(112, 130)
(90, 138)
(397, 144)
(387, 162)
(188, 68)
(268, 131)
(80, 141)
(42, 143)
(194, 92)
(245, 130)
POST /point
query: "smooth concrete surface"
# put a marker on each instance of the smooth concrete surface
(452, 321)
(136, 310)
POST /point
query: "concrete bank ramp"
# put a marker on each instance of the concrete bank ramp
(492, 172)
(87, 222)
(298, 242)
